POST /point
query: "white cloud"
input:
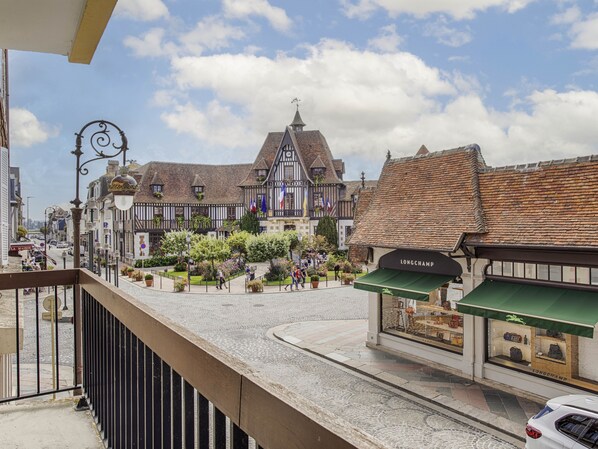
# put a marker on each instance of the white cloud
(242, 9)
(387, 41)
(143, 10)
(570, 15)
(584, 34)
(458, 9)
(377, 101)
(26, 130)
(446, 35)
(211, 33)
(150, 44)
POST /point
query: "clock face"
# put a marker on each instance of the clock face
(288, 154)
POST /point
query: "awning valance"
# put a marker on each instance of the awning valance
(406, 284)
(560, 309)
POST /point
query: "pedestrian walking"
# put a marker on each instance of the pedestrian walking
(337, 268)
(221, 279)
(303, 271)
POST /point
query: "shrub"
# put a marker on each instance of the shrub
(205, 270)
(180, 284)
(357, 268)
(149, 277)
(124, 270)
(180, 267)
(278, 270)
(255, 285)
(314, 277)
(137, 276)
(232, 266)
(130, 269)
(347, 277)
(156, 261)
(311, 271)
(346, 267)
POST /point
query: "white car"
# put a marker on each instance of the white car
(62, 245)
(566, 422)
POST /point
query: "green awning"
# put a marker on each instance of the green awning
(406, 284)
(560, 309)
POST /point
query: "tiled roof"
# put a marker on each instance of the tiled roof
(220, 182)
(310, 145)
(548, 203)
(424, 202)
(352, 188)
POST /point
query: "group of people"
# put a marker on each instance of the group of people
(298, 276)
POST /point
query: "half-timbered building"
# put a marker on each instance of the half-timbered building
(293, 183)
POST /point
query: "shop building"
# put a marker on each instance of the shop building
(491, 273)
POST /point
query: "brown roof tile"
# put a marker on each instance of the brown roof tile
(310, 146)
(424, 202)
(220, 181)
(548, 203)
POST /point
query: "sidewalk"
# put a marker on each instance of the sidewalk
(234, 286)
(343, 342)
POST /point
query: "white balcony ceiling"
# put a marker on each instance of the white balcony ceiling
(66, 27)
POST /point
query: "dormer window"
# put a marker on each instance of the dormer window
(319, 171)
(197, 189)
(157, 188)
(262, 173)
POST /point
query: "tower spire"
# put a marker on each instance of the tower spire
(297, 124)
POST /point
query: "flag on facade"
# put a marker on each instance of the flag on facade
(264, 208)
(328, 205)
(322, 202)
(283, 193)
(305, 203)
(253, 207)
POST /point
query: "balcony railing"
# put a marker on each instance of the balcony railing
(152, 383)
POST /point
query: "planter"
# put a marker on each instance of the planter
(255, 289)
(347, 281)
(149, 282)
(130, 274)
(314, 284)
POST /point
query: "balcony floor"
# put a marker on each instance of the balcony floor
(47, 424)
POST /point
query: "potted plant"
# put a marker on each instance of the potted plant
(180, 284)
(315, 281)
(123, 270)
(130, 271)
(199, 196)
(347, 278)
(260, 178)
(158, 195)
(157, 220)
(149, 280)
(180, 221)
(255, 286)
(137, 276)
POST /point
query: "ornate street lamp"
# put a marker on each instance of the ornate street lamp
(123, 187)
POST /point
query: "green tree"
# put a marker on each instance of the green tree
(175, 243)
(210, 249)
(312, 245)
(327, 228)
(250, 223)
(264, 247)
(21, 232)
(43, 230)
(237, 242)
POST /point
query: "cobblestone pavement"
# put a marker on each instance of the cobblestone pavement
(239, 324)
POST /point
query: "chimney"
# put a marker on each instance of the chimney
(112, 168)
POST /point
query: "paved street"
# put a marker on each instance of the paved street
(240, 323)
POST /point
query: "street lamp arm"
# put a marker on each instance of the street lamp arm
(98, 141)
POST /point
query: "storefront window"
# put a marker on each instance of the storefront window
(530, 270)
(594, 276)
(518, 269)
(435, 322)
(546, 353)
(569, 274)
(507, 269)
(555, 273)
(497, 268)
(543, 272)
(583, 275)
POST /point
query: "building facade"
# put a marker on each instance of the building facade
(491, 273)
(293, 183)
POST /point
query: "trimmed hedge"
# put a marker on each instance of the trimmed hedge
(156, 261)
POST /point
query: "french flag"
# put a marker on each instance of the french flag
(283, 193)
(328, 205)
(253, 207)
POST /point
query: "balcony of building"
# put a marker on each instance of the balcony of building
(148, 381)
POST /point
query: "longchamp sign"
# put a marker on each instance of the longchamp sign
(421, 261)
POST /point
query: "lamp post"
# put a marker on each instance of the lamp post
(188, 240)
(64, 267)
(53, 209)
(27, 222)
(123, 187)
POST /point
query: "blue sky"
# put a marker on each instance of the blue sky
(205, 81)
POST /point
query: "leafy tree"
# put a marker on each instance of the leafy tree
(21, 232)
(264, 247)
(43, 230)
(250, 223)
(238, 241)
(312, 245)
(327, 228)
(210, 249)
(175, 243)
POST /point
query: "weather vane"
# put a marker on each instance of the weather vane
(296, 100)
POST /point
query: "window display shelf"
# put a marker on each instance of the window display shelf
(550, 359)
(546, 337)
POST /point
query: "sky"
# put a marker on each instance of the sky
(204, 81)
